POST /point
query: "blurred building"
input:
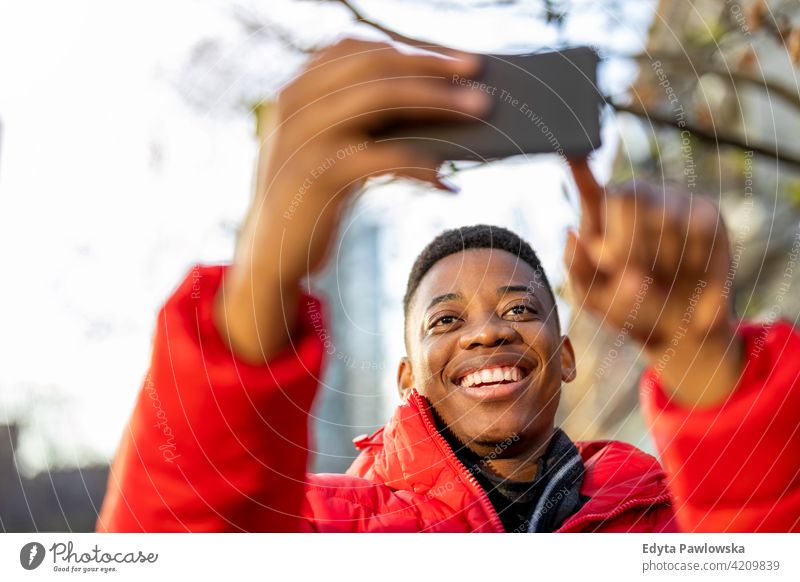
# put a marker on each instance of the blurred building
(62, 500)
(350, 402)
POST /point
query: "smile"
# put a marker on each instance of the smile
(491, 376)
(494, 381)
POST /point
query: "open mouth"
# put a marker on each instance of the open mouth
(495, 377)
(492, 376)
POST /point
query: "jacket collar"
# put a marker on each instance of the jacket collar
(408, 454)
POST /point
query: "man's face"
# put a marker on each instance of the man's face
(485, 348)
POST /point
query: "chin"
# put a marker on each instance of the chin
(510, 424)
(500, 430)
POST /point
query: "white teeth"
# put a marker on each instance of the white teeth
(492, 376)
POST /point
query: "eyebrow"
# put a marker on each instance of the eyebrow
(500, 291)
(514, 289)
(443, 298)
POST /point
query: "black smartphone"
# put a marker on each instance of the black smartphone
(541, 103)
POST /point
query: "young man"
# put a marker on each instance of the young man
(218, 440)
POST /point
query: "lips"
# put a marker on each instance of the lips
(494, 377)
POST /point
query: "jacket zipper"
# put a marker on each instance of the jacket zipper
(468, 477)
(615, 512)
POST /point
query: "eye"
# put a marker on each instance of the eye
(521, 312)
(442, 322)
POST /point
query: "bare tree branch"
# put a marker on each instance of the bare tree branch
(713, 137)
(256, 26)
(394, 35)
(709, 136)
(702, 65)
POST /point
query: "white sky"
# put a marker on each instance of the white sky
(111, 185)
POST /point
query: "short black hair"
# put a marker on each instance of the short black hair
(479, 236)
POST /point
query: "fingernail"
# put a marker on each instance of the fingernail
(472, 100)
(446, 184)
(469, 61)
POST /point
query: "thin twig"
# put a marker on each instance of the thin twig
(714, 137)
(702, 66)
(393, 34)
(255, 25)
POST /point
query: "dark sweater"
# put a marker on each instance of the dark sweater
(541, 505)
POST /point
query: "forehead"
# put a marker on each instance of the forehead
(474, 270)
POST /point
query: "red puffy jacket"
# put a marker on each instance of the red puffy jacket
(216, 444)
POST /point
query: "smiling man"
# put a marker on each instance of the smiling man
(485, 350)
(473, 447)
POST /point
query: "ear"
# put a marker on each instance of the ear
(405, 378)
(567, 355)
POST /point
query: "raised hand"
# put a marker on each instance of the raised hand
(652, 262)
(317, 155)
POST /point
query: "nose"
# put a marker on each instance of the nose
(489, 334)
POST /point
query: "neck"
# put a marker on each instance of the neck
(517, 461)
(516, 469)
(513, 458)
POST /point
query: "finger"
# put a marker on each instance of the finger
(592, 197)
(404, 163)
(702, 236)
(666, 225)
(352, 62)
(607, 295)
(439, 49)
(445, 184)
(437, 59)
(581, 269)
(383, 159)
(625, 239)
(372, 104)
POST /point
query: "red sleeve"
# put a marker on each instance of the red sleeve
(214, 443)
(735, 466)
